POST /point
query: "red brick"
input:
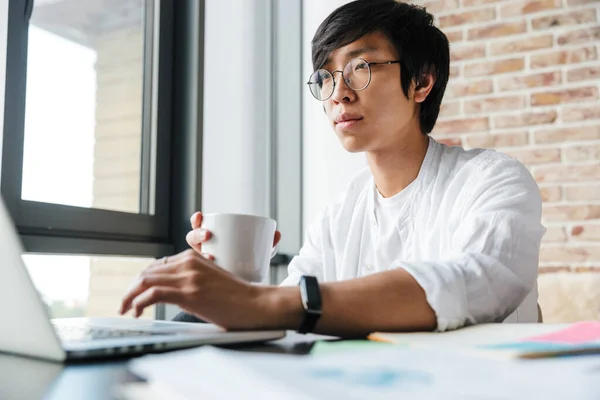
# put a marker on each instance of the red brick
(494, 104)
(583, 192)
(449, 109)
(569, 254)
(580, 113)
(528, 81)
(579, 36)
(471, 88)
(527, 7)
(576, 230)
(522, 45)
(586, 269)
(454, 141)
(454, 36)
(589, 152)
(566, 173)
(555, 234)
(564, 19)
(564, 96)
(571, 56)
(570, 213)
(462, 125)
(536, 156)
(524, 119)
(582, 74)
(551, 194)
(553, 270)
(497, 30)
(487, 68)
(467, 17)
(586, 232)
(437, 6)
(491, 141)
(459, 53)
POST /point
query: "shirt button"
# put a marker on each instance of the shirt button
(369, 267)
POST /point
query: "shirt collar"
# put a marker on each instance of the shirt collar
(426, 174)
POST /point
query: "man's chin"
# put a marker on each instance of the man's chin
(353, 144)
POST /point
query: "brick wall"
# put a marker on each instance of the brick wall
(525, 80)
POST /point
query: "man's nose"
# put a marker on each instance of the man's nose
(341, 91)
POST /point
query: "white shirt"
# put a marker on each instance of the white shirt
(387, 236)
(469, 234)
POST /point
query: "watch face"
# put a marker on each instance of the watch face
(311, 295)
(311, 300)
(304, 297)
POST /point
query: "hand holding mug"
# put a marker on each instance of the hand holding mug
(198, 235)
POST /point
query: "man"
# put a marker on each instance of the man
(427, 237)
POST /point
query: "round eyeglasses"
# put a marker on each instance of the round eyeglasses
(356, 75)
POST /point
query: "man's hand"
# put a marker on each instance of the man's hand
(199, 287)
(198, 235)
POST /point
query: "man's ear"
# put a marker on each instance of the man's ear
(423, 87)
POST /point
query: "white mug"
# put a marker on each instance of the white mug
(241, 244)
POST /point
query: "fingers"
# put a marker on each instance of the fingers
(156, 294)
(277, 238)
(147, 282)
(168, 266)
(196, 220)
(196, 237)
(208, 256)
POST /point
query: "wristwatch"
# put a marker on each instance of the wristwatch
(311, 301)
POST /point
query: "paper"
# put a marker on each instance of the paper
(339, 346)
(506, 340)
(388, 372)
(143, 391)
(579, 333)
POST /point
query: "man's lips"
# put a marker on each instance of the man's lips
(347, 120)
(349, 123)
(347, 117)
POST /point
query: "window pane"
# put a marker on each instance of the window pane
(83, 121)
(81, 286)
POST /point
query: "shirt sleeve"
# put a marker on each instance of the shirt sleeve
(495, 250)
(309, 260)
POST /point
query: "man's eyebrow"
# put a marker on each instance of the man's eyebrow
(355, 53)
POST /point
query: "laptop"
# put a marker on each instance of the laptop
(27, 328)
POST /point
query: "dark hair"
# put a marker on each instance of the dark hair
(422, 48)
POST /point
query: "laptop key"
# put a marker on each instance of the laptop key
(84, 333)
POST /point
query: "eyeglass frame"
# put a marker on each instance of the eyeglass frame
(342, 72)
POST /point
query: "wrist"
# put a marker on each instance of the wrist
(282, 307)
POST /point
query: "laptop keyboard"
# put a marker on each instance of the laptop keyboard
(85, 333)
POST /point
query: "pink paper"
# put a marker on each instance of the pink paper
(578, 333)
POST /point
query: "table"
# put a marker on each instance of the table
(31, 379)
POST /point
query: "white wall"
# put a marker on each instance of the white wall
(3, 38)
(327, 167)
(236, 108)
(236, 143)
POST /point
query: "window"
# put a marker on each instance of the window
(84, 104)
(101, 139)
(87, 140)
(82, 286)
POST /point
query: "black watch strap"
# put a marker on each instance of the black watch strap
(311, 301)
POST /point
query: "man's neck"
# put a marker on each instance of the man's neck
(394, 169)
